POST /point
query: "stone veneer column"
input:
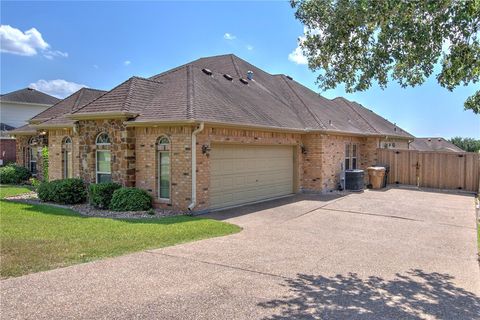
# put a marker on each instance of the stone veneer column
(122, 150)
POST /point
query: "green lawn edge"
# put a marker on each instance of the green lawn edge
(40, 237)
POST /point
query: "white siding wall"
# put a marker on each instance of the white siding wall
(16, 115)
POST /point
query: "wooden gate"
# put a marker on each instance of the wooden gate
(433, 169)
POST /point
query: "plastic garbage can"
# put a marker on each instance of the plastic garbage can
(376, 176)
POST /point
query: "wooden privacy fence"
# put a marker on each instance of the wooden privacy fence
(432, 169)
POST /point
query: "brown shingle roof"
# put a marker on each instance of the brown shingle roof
(25, 129)
(187, 93)
(29, 95)
(56, 114)
(433, 144)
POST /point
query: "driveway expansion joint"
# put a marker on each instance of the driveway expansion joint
(222, 265)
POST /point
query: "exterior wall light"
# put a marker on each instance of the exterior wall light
(206, 149)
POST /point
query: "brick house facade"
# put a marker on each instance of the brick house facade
(150, 140)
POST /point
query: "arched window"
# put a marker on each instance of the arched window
(103, 155)
(163, 168)
(32, 155)
(67, 158)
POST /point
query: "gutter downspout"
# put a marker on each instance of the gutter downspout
(194, 165)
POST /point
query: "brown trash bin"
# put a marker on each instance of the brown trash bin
(376, 175)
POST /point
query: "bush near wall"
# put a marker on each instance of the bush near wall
(13, 174)
(66, 191)
(130, 199)
(100, 194)
(45, 163)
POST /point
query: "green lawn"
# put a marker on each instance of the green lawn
(42, 237)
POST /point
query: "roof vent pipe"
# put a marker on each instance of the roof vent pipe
(250, 75)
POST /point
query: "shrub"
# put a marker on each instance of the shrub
(130, 199)
(66, 191)
(34, 182)
(45, 163)
(100, 194)
(13, 174)
(45, 191)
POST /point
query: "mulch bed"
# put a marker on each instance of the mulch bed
(87, 210)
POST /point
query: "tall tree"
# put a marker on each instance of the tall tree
(357, 42)
(466, 144)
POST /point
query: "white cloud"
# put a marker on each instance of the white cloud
(127, 62)
(28, 43)
(297, 55)
(59, 88)
(17, 42)
(249, 47)
(229, 36)
(50, 54)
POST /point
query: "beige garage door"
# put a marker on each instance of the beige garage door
(241, 174)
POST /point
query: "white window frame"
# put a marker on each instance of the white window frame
(65, 156)
(350, 147)
(32, 148)
(159, 153)
(96, 165)
(96, 155)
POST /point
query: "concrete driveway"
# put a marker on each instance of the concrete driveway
(395, 254)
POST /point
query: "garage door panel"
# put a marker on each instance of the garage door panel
(241, 174)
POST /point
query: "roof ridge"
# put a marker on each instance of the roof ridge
(304, 104)
(128, 98)
(104, 93)
(235, 66)
(347, 102)
(77, 101)
(190, 93)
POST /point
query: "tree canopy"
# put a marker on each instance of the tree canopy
(466, 144)
(359, 42)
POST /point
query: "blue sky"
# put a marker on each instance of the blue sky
(101, 44)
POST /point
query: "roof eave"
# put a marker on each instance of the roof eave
(22, 133)
(53, 126)
(28, 103)
(102, 115)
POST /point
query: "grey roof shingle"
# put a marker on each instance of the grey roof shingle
(187, 93)
(29, 95)
(27, 128)
(56, 114)
(433, 144)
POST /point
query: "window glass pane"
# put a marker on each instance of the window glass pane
(354, 150)
(33, 167)
(103, 161)
(347, 164)
(354, 163)
(68, 165)
(103, 138)
(101, 177)
(347, 150)
(164, 175)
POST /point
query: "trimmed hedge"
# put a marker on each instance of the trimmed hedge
(66, 191)
(100, 194)
(13, 174)
(130, 199)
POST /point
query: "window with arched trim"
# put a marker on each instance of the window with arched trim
(103, 139)
(32, 155)
(163, 168)
(103, 158)
(67, 158)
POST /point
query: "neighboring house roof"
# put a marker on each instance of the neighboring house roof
(56, 114)
(28, 95)
(5, 127)
(276, 101)
(433, 144)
